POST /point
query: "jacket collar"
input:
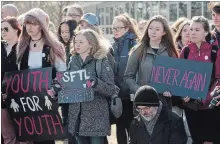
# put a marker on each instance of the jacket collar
(149, 50)
(127, 35)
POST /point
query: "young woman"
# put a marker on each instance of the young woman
(182, 35)
(204, 123)
(176, 24)
(74, 12)
(157, 40)
(65, 35)
(125, 37)
(38, 49)
(89, 121)
(10, 30)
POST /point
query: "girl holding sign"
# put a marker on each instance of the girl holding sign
(203, 121)
(37, 48)
(10, 32)
(157, 40)
(89, 121)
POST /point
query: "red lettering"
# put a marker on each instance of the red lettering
(185, 78)
(27, 82)
(17, 82)
(46, 80)
(19, 125)
(35, 79)
(202, 81)
(48, 127)
(8, 82)
(176, 74)
(40, 125)
(31, 124)
(56, 124)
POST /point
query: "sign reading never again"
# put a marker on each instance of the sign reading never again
(35, 115)
(76, 87)
(181, 77)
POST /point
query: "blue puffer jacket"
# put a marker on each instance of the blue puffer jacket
(121, 48)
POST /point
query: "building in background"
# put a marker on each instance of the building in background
(172, 10)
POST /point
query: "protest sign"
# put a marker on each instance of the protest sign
(181, 77)
(76, 87)
(35, 115)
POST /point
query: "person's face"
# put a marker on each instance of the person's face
(148, 112)
(197, 32)
(156, 31)
(8, 32)
(119, 29)
(141, 27)
(216, 19)
(185, 33)
(84, 25)
(33, 29)
(65, 32)
(73, 14)
(4, 12)
(81, 45)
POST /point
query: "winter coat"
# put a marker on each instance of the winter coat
(141, 67)
(92, 118)
(169, 129)
(8, 63)
(203, 55)
(121, 48)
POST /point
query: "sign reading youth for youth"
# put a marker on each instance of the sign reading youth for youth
(35, 115)
(181, 77)
(76, 87)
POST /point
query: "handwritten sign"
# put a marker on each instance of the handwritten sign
(181, 77)
(76, 87)
(35, 115)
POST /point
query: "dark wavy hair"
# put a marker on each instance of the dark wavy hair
(14, 23)
(72, 24)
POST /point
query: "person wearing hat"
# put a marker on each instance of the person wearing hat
(37, 48)
(155, 124)
(9, 10)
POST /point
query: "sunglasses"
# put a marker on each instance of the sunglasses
(4, 29)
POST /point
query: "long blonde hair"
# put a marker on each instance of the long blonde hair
(97, 43)
(56, 48)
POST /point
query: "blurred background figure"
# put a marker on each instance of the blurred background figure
(9, 10)
(75, 12)
(141, 26)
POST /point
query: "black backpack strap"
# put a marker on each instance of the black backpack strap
(186, 52)
(214, 53)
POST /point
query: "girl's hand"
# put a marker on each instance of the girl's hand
(218, 98)
(4, 97)
(186, 99)
(51, 93)
(167, 94)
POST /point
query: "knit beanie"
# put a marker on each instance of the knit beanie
(146, 96)
(40, 15)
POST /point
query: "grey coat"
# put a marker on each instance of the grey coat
(141, 69)
(92, 118)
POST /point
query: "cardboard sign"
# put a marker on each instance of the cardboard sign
(76, 87)
(35, 115)
(181, 77)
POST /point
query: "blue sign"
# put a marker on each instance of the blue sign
(76, 87)
(181, 77)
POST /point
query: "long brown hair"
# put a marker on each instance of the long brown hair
(127, 21)
(166, 41)
(56, 48)
(14, 23)
(179, 31)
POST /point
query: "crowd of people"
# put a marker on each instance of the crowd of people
(78, 43)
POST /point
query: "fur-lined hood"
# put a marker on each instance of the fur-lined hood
(103, 50)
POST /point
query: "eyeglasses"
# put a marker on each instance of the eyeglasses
(73, 15)
(4, 29)
(117, 28)
(143, 109)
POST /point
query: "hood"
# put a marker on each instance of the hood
(103, 50)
